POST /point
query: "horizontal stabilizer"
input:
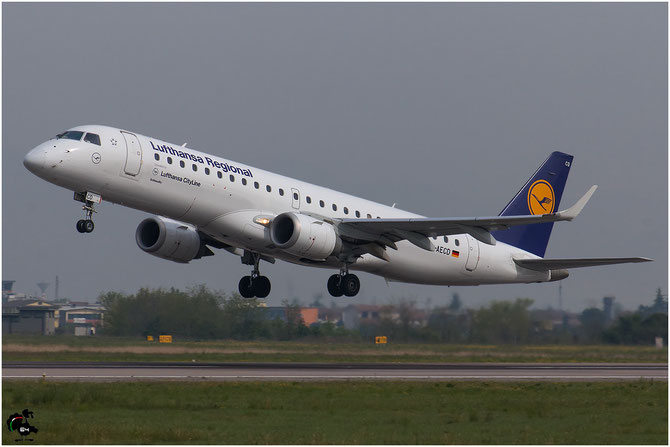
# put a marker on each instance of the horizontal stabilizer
(552, 264)
(417, 229)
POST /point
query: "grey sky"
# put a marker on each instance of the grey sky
(445, 109)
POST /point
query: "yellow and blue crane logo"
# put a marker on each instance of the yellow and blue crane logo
(541, 198)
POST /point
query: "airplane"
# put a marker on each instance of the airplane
(203, 201)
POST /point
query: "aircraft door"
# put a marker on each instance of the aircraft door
(473, 253)
(296, 198)
(133, 153)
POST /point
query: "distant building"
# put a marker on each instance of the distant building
(82, 304)
(553, 319)
(608, 309)
(330, 315)
(8, 293)
(82, 320)
(274, 312)
(356, 314)
(7, 286)
(309, 315)
(28, 317)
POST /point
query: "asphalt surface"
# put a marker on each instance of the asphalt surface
(146, 371)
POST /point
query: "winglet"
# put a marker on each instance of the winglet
(577, 208)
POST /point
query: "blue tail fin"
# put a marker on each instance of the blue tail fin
(540, 195)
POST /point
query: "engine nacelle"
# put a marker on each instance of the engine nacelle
(168, 239)
(304, 236)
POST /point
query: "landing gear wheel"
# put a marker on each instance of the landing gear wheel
(245, 287)
(255, 284)
(350, 285)
(261, 286)
(334, 285)
(88, 226)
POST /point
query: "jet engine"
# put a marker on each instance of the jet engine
(304, 236)
(169, 239)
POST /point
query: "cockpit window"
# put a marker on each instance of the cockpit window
(71, 135)
(92, 138)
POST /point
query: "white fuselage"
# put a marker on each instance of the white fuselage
(221, 198)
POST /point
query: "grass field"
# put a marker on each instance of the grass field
(70, 348)
(342, 412)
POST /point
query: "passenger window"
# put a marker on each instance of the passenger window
(295, 196)
(71, 135)
(358, 213)
(321, 204)
(308, 199)
(369, 216)
(207, 171)
(446, 240)
(268, 188)
(244, 181)
(232, 178)
(219, 174)
(194, 167)
(169, 159)
(256, 185)
(457, 243)
(346, 210)
(92, 138)
(281, 192)
(157, 157)
(334, 207)
(181, 163)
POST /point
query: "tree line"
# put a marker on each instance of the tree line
(513, 322)
(200, 313)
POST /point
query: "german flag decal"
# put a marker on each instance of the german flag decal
(455, 253)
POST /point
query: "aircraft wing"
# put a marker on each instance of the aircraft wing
(417, 230)
(551, 264)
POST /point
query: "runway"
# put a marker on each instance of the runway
(145, 371)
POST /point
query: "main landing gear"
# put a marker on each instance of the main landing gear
(254, 285)
(89, 200)
(345, 283)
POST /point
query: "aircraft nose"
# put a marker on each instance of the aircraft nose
(34, 160)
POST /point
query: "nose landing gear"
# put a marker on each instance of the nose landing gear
(89, 200)
(345, 284)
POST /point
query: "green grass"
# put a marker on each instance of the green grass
(70, 348)
(342, 412)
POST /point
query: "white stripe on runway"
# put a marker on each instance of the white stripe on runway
(347, 377)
